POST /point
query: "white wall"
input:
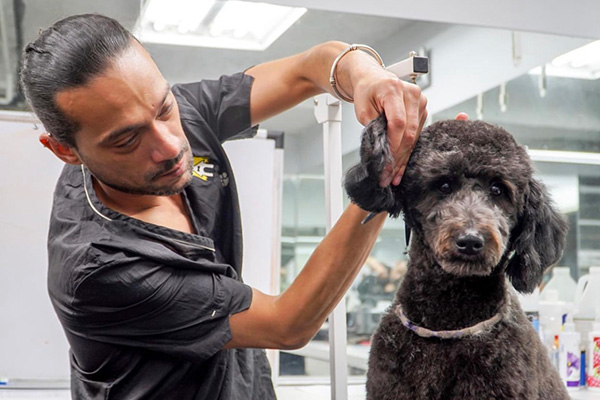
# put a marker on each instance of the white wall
(254, 164)
(32, 343)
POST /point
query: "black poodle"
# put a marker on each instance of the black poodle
(455, 329)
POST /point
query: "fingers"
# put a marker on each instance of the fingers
(416, 114)
(423, 114)
(45, 140)
(397, 113)
(405, 109)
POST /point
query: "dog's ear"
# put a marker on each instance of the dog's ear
(537, 240)
(362, 180)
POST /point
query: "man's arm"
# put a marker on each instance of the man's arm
(281, 84)
(291, 319)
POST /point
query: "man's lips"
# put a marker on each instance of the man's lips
(175, 171)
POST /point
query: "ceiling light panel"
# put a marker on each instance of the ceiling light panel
(581, 63)
(220, 24)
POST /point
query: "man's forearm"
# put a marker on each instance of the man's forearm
(281, 84)
(329, 272)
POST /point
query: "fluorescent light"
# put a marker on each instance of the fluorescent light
(221, 24)
(581, 63)
(187, 14)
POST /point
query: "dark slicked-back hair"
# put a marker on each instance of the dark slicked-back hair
(66, 55)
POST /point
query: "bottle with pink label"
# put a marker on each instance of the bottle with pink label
(593, 370)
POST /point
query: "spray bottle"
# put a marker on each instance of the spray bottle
(569, 354)
(587, 297)
(593, 355)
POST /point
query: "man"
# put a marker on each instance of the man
(144, 258)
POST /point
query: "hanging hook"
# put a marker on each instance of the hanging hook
(517, 52)
(479, 109)
(542, 81)
(503, 97)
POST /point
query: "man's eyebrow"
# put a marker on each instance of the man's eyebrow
(118, 132)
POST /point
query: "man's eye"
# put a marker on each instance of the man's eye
(496, 189)
(131, 140)
(165, 111)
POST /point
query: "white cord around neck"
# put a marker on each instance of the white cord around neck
(87, 195)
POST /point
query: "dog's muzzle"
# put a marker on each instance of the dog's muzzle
(470, 244)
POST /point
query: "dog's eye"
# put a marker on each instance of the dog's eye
(445, 187)
(496, 189)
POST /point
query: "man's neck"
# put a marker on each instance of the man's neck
(168, 211)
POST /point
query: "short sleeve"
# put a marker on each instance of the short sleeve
(224, 104)
(180, 312)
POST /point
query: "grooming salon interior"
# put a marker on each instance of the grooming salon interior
(532, 68)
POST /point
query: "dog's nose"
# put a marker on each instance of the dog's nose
(469, 245)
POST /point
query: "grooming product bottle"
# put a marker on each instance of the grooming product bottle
(561, 282)
(593, 355)
(530, 303)
(587, 298)
(552, 311)
(569, 355)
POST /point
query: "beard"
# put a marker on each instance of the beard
(150, 187)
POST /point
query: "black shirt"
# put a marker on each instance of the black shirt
(146, 308)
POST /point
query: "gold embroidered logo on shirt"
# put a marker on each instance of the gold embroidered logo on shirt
(202, 168)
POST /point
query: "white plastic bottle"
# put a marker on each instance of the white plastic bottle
(569, 355)
(551, 321)
(593, 355)
(587, 297)
(562, 282)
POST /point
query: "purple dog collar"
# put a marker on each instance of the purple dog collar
(477, 329)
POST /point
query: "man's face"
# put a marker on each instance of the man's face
(130, 135)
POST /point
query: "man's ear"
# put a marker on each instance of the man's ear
(60, 149)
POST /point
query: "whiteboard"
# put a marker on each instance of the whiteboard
(32, 344)
(258, 175)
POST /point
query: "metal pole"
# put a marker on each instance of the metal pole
(328, 112)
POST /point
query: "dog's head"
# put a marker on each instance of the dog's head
(468, 192)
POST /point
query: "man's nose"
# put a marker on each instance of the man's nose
(166, 145)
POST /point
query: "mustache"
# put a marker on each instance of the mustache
(167, 165)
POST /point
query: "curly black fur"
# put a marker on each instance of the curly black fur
(464, 178)
(362, 180)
